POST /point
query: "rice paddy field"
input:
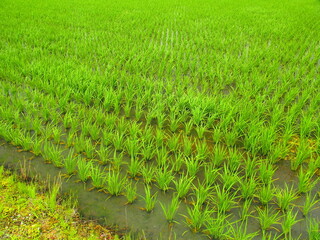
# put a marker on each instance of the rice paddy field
(170, 119)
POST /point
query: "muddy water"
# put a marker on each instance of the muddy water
(113, 211)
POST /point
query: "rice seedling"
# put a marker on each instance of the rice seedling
(53, 154)
(239, 231)
(183, 185)
(150, 200)
(118, 141)
(210, 174)
(84, 170)
(131, 192)
(117, 161)
(228, 178)
(309, 204)
(188, 126)
(173, 143)
(192, 165)
(56, 134)
(219, 154)
(313, 228)
(267, 218)
(245, 210)
(164, 177)
(266, 172)
(197, 217)
(303, 152)
(134, 167)
(250, 167)
(147, 151)
(104, 153)
(132, 146)
(202, 193)
(178, 161)
(174, 122)
(170, 210)
(202, 151)
(94, 131)
(266, 193)
(98, 177)
(231, 137)
(289, 220)
(234, 160)
(218, 227)
(201, 129)
(248, 187)
(115, 183)
(148, 174)
(70, 163)
(224, 199)
(305, 182)
(159, 137)
(89, 149)
(187, 146)
(284, 197)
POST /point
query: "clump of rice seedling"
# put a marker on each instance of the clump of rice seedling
(267, 218)
(131, 192)
(287, 223)
(224, 199)
(197, 217)
(210, 174)
(171, 209)
(148, 174)
(192, 165)
(115, 183)
(202, 192)
(219, 154)
(266, 193)
(218, 227)
(303, 152)
(305, 183)
(309, 204)
(84, 168)
(248, 187)
(285, 197)
(70, 162)
(134, 166)
(313, 228)
(149, 199)
(183, 185)
(266, 172)
(98, 177)
(164, 177)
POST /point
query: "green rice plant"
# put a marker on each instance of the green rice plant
(84, 170)
(266, 193)
(309, 204)
(305, 181)
(313, 228)
(171, 209)
(197, 217)
(71, 138)
(178, 160)
(239, 231)
(127, 109)
(245, 210)
(284, 197)
(70, 163)
(147, 151)
(217, 134)
(183, 185)
(164, 177)
(219, 154)
(118, 141)
(267, 218)
(138, 111)
(266, 172)
(248, 187)
(198, 115)
(267, 138)
(110, 121)
(134, 166)
(231, 137)
(150, 200)
(161, 118)
(218, 227)
(224, 199)
(193, 165)
(173, 142)
(202, 151)
(277, 152)
(89, 149)
(202, 192)
(303, 152)
(57, 134)
(131, 192)
(117, 160)
(234, 160)
(251, 165)
(122, 126)
(135, 129)
(188, 126)
(95, 131)
(201, 129)
(37, 146)
(52, 153)
(98, 177)
(115, 183)
(287, 223)
(210, 174)
(159, 137)
(187, 146)
(132, 146)
(148, 174)
(79, 143)
(174, 122)
(103, 153)
(228, 178)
